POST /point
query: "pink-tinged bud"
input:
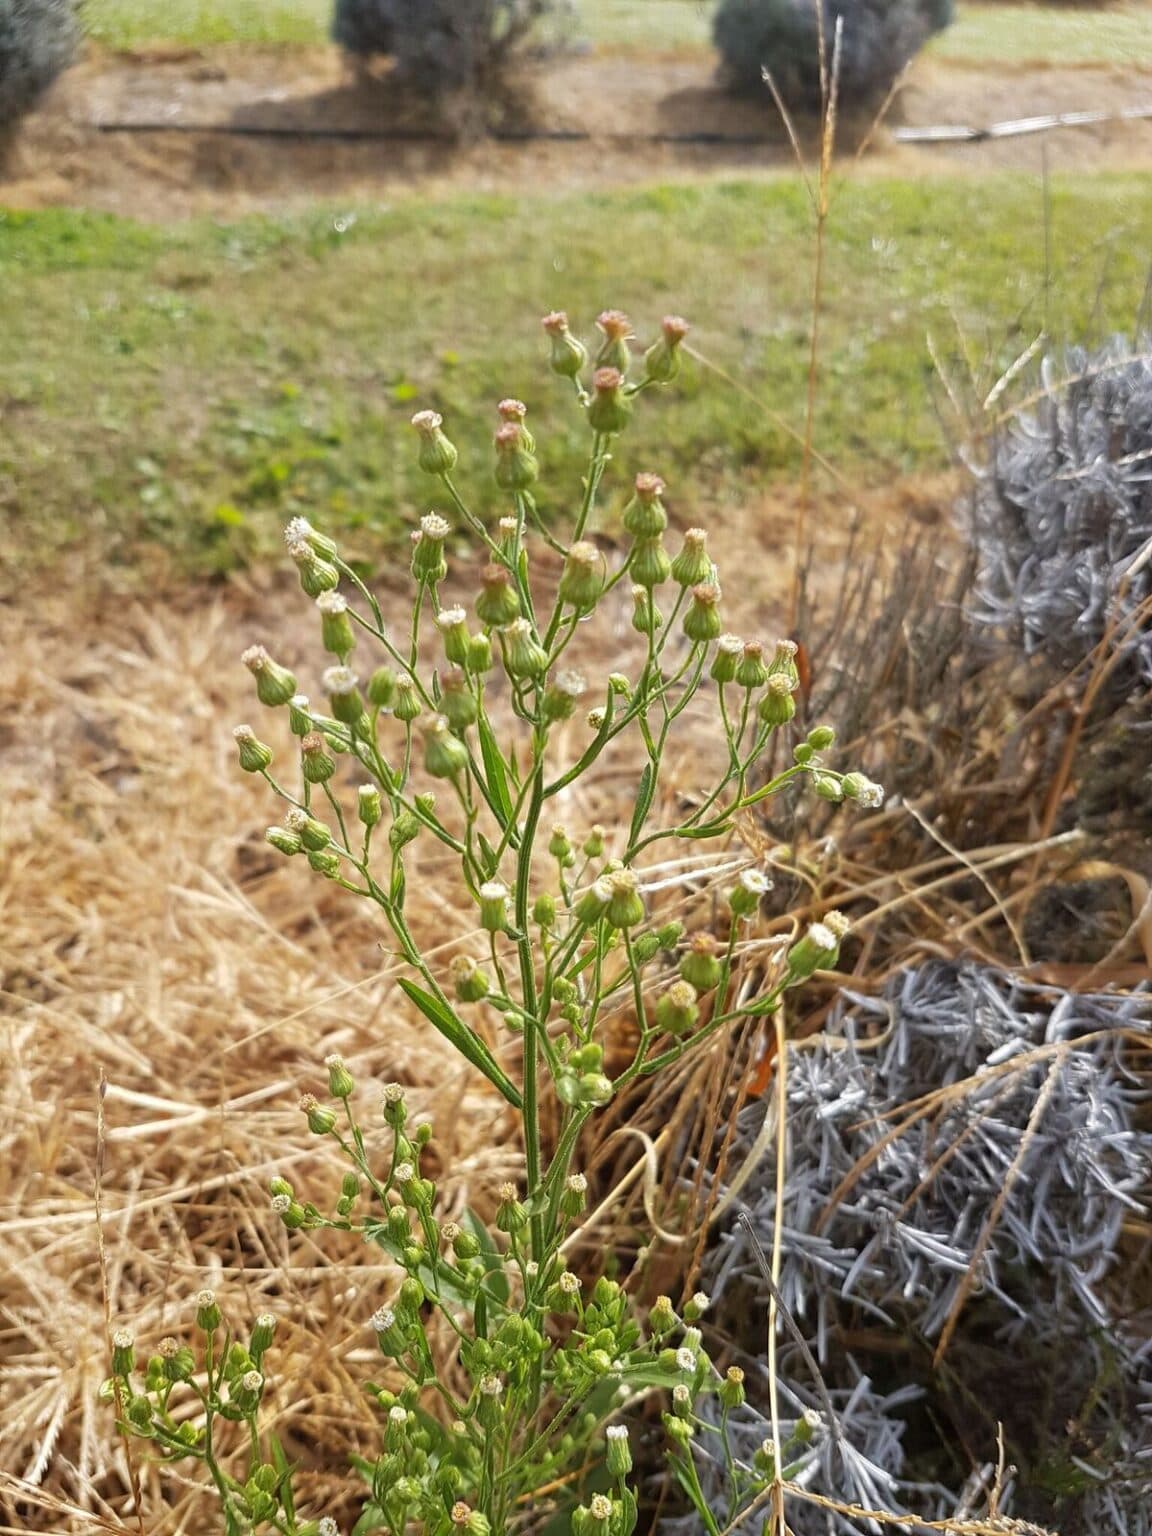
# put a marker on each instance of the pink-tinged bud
(255, 756)
(644, 515)
(677, 1011)
(498, 603)
(567, 356)
(646, 617)
(582, 579)
(752, 673)
(693, 564)
(610, 409)
(702, 621)
(516, 466)
(315, 763)
(515, 411)
(616, 328)
(457, 701)
(662, 359)
(437, 455)
(701, 967)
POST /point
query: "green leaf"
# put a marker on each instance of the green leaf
(644, 793)
(488, 858)
(284, 1469)
(373, 1519)
(494, 771)
(457, 1033)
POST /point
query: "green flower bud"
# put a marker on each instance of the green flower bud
(745, 897)
(207, 1311)
(693, 564)
(457, 701)
(445, 755)
(702, 620)
(610, 409)
(368, 805)
(646, 617)
(679, 1430)
(491, 1390)
(574, 1195)
(827, 786)
(560, 846)
(325, 863)
(784, 661)
(645, 948)
(340, 1083)
(499, 602)
(403, 830)
(321, 1119)
(732, 1394)
(275, 685)
(428, 563)
(280, 1186)
(567, 355)
(561, 695)
(662, 1318)
(336, 633)
(649, 565)
(465, 1245)
(625, 904)
(516, 467)
(515, 411)
(592, 903)
(254, 755)
(582, 580)
(594, 842)
(701, 966)
(857, 786)
(340, 684)
(407, 705)
(821, 737)
(469, 981)
(392, 1105)
(662, 359)
(381, 688)
(313, 834)
(179, 1363)
(644, 516)
(777, 706)
(616, 329)
(315, 763)
(454, 630)
(479, 659)
(300, 722)
(511, 1213)
(123, 1353)
(300, 531)
(802, 754)
(678, 1011)
(726, 662)
(437, 455)
(524, 656)
(316, 574)
(752, 673)
(817, 950)
(139, 1413)
(619, 1455)
(494, 906)
(245, 1393)
(264, 1328)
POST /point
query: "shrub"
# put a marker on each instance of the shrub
(38, 40)
(440, 44)
(783, 36)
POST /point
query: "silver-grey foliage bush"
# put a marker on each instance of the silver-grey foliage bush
(442, 44)
(38, 40)
(783, 36)
(894, 1247)
(1062, 514)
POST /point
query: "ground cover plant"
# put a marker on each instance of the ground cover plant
(217, 405)
(502, 1367)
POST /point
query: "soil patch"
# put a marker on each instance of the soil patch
(234, 130)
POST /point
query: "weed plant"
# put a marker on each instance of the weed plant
(502, 1370)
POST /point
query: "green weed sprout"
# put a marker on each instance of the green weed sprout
(567, 935)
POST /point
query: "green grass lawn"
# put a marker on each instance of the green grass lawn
(981, 32)
(194, 386)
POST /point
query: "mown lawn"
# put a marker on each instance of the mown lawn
(194, 385)
(981, 32)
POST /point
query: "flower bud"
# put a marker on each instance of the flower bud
(574, 1195)
(524, 656)
(488, 1408)
(341, 686)
(816, 951)
(479, 659)
(494, 906)
(561, 695)
(469, 981)
(646, 617)
(437, 455)
(325, 862)
(784, 661)
(403, 830)
(594, 842)
(857, 786)
(544, 911)
(821, 737)
(245, 1393)
(625, 904)
(454, 630)
(702, 620)
(179, 1363)
(321, 1119)
(457, 701)
(515, 411)
(275, 685)
(315, 763)
(661, 1316)
(693, 564)
(368, 806)
(428, 562)
(662, 359)
(649, 564)
(696, 1306)
(752, 673)
(777, 706)
(516, 467)
(313, 834)
(298, 530)
(255, 756)
(381, 688)
(610, 409)
(511, 1213)
(744, 898)
(732, 1392)
(701, 966)
(827, 786)
(264, 1328)
(582, 580)
(592, 903)
(445, 755)
(407, 704)
(567, 356)
(300, 722)
(336, 633)
(498, 604)
(677, 1011)
(616, 329)
(123, 1353)
(340, 1083)
(726, 662)
(207, 1311)
(619, 1455)
(644, 515)
(316, 574)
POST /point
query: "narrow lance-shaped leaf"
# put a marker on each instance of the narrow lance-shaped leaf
(457, 1033)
